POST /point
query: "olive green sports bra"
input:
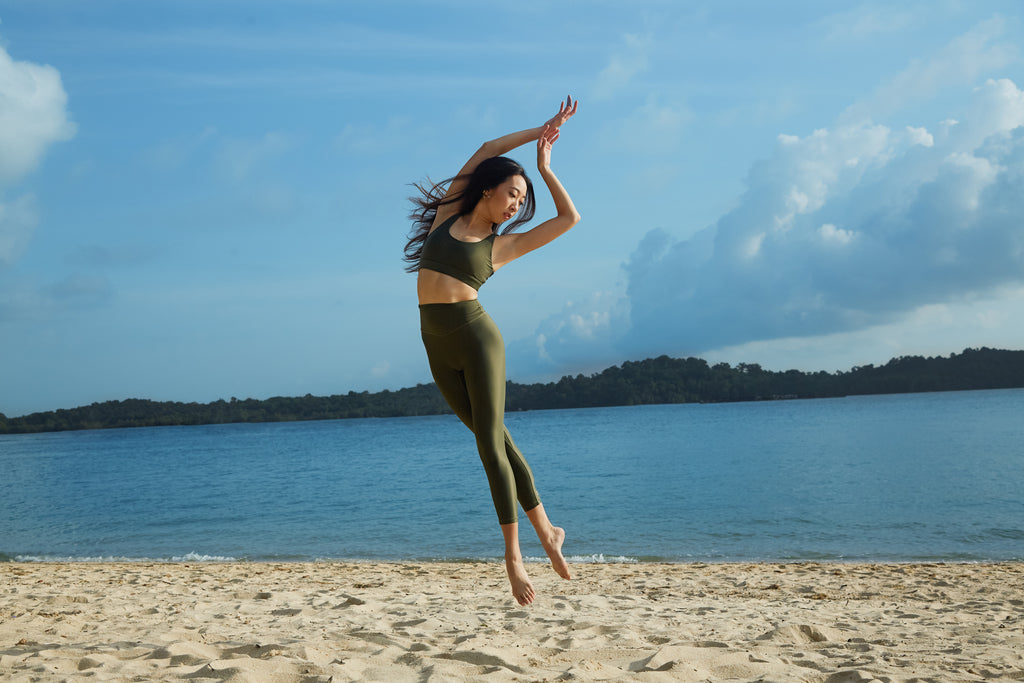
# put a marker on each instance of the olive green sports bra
(468, 262)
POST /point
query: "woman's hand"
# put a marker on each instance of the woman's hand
(565, 112)
(544, 142)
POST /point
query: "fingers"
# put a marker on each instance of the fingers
(548, 135)
(566, 110)
(544, 142)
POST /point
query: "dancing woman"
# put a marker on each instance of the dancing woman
(455, 245)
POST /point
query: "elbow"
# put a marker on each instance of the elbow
(574, 217)
(489, 149)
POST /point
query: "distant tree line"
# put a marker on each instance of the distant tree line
(652, 381)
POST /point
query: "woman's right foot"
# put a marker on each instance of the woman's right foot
(553, 547)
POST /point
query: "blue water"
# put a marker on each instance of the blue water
(879, 478)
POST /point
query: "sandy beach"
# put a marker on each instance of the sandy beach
(452, 622)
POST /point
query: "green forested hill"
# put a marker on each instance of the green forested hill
(657, 380)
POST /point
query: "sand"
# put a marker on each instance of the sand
(840, 623)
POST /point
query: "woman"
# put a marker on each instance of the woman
(454, 247)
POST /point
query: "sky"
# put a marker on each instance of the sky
(207, 199)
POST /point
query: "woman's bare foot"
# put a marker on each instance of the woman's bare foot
(551, 537)
(522, 589)
(553, 547)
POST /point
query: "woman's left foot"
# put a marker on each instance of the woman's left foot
(522, 589)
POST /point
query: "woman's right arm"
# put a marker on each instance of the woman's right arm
(498, 147)
(513, 245)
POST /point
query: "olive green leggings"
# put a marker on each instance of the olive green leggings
(467, 360)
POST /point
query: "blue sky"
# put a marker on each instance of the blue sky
(201, 200)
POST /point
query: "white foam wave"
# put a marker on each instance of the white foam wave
(598, 558)
(189, 557)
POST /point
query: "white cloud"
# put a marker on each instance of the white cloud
(628, 61)
(851, 228)
(654, 127)
(931, 224)
(652, 131)
(920, 136)
(830, 234)
(996, 105)
(648, 139)
(582, 335)
(962, 62)
(33, 115)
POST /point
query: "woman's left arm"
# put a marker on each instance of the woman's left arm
(510, 247)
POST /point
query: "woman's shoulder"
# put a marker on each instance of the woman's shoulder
(443, 220)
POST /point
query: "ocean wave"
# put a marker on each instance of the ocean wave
(600, 558)
(597, 558)
(189, 557)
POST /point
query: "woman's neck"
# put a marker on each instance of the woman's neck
(477, 224)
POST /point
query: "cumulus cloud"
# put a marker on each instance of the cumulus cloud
(584, 332)
(33, 115)
(848, 227)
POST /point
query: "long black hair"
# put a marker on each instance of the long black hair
(488, 175)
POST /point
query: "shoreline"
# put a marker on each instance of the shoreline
(408, 620)
(203, 560)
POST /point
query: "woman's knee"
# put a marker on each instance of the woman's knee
(492, 451)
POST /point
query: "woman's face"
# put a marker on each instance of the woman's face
(503, 202)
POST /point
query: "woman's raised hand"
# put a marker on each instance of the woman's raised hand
(565, 112)
(544, 142)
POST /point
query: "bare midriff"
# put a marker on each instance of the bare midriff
(433, 287)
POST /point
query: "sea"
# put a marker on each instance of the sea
(931, 477)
